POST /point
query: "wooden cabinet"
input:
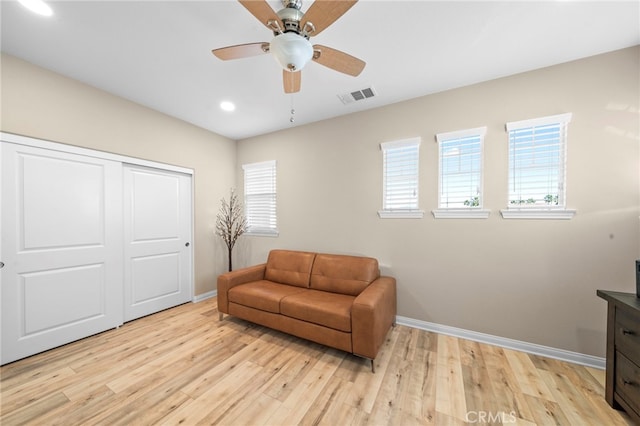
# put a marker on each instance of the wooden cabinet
(623, 351)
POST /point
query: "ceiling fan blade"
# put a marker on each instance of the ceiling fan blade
(323, 13)
(241, 51)
(337, 60)
(261, 10)
(291, 81)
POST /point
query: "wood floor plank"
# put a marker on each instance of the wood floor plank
(418, 397)
(527, 375)
(429, 386)
(297, 404)
(478, 388)
(164, 356)
(228, 406)
(196, 410)
(33, 390)
(252, 411)
(478, 391)
(367, 386)
(30, 413)
(184, 366)
(294, 364)
(450, 396)
(211, 377)
(389, 396)
(572, 401)
(598, 375)
(324, 406)
(77, 412)
(547, 412)
(508, 396)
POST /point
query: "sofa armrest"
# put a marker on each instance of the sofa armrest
(372, 313)
(231, 279)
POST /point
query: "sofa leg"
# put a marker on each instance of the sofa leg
(373, 367)
(220, 316)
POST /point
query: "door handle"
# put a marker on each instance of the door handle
(1, 265)
(186, 245)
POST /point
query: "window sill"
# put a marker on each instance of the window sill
(273, 233)
(460, 213)
(401, 214)
(561, 214)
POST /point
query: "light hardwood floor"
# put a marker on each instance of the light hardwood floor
(183, 366)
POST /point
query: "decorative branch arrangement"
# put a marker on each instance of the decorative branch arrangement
(231, 222)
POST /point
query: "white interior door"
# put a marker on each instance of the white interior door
(157, 234)
(61, 247)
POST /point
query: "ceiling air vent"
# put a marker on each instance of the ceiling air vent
(358, 95)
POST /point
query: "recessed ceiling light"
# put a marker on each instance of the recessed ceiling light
(37, 6)
(227, 106)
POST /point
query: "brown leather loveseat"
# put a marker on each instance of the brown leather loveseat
(335, 300)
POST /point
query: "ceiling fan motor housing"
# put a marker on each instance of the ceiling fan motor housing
(295, 4)
(290, 17)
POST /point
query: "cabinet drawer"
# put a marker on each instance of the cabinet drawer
(628, 334)
(628, 381)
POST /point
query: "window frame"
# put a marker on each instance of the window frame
(413, 212)
(471, 212)
(539, 211)
(270, 180)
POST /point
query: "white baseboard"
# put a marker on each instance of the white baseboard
(518, 345)
(532, 348)
(204, 296)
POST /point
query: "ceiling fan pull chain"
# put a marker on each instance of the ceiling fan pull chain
(293, 111)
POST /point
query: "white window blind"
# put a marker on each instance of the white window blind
(260, 197)
(460, 174)
(400, 178)
(537, 158)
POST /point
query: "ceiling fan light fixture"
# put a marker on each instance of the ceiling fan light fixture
(292, 51)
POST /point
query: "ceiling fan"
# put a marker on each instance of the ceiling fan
(290, 45)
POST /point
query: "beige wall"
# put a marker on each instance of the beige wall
(523, 279)
(530, 280)
(42, 104)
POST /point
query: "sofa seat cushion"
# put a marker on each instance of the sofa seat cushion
(264, 295)
(319, 307)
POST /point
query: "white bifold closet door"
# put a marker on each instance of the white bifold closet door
(61, 248)
(157, 229)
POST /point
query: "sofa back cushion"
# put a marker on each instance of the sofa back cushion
(343, 274)
(289, 267)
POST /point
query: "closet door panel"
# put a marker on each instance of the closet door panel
(155, 276)
(157, 233)
(62, 248)
(62, 202)
(44, 289)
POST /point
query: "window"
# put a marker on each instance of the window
(537, 151)
(400, 179)
(460, 174)
(260, 198)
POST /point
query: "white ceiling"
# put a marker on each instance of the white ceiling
(158, 53)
